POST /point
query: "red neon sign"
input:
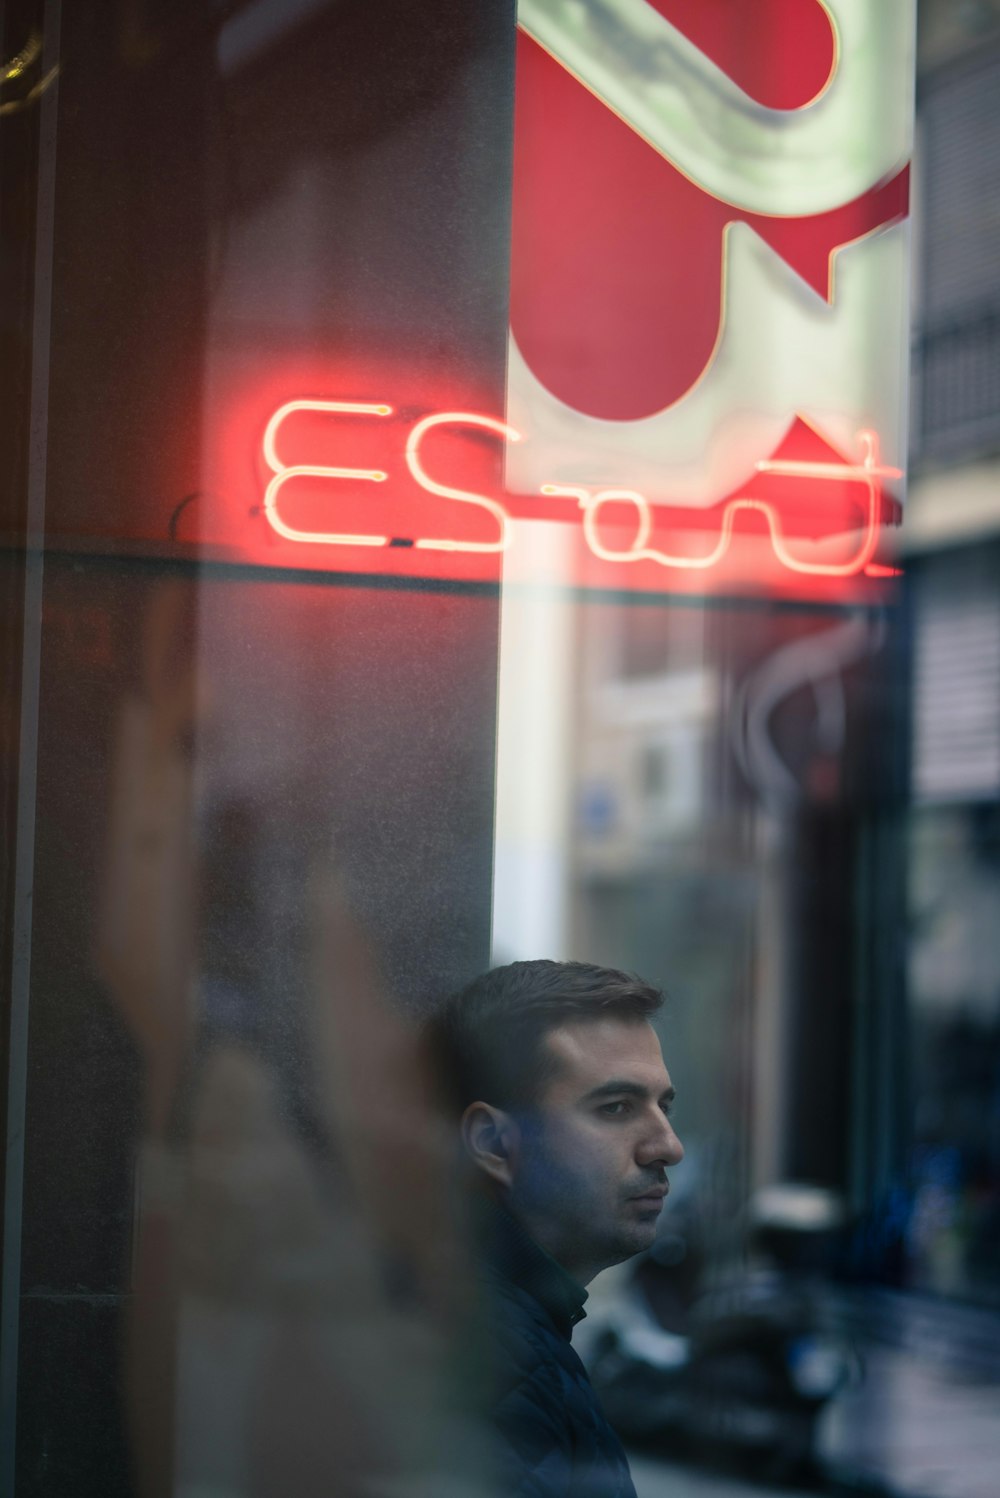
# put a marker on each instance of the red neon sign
(587, 503)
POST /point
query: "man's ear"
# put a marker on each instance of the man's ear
(491, 1138)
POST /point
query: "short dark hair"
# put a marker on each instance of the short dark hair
(485, 1042)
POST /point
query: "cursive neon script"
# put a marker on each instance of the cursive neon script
(590, 503)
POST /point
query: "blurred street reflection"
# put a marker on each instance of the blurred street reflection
(299, 1285)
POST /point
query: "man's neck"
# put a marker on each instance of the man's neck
(579, 1270)
(511, 1249)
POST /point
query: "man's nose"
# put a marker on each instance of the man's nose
(660, 1143)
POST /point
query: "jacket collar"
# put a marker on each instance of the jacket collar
(517, 1257)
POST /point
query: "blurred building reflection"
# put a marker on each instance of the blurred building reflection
(952, 539)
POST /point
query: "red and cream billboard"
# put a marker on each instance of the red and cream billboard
(709, 290)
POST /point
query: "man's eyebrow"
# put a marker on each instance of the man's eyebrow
(622, 1087)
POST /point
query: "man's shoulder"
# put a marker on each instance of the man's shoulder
(555, 1441)
(555, 1438)
(538, 1377)
(525, 1337)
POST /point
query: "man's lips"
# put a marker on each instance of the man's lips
(654, 1194)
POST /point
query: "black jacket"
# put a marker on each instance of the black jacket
(554, 1441)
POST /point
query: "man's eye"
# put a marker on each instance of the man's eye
(614, 1110)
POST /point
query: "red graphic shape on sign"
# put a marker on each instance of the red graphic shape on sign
(617, 293)
(782, 53)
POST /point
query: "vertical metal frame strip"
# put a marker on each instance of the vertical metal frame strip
(24, 865)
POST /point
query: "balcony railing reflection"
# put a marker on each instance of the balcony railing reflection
(957, 379)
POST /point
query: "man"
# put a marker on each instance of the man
(558, 1083)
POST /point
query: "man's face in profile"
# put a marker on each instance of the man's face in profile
(589, 1175)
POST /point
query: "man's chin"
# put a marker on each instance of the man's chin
(636, 1238)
